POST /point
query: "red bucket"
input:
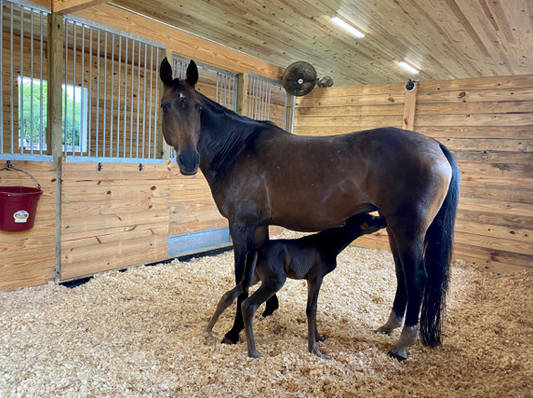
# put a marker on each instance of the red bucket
(18, 206)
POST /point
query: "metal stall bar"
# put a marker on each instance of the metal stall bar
(2, 77)
(130, 100)
(21, 86)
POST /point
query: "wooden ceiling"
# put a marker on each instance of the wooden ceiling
(444, 39)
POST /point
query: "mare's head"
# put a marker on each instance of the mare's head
(181, 116)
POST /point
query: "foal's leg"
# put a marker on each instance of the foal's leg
(312, 298)
(243, 241)
(400, 300)
(411, 255)
(261, 236)
(268, 288)
(224, 303)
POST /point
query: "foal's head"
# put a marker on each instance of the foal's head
(181, 116)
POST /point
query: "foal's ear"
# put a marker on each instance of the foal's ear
(192, 73)
(165, 72)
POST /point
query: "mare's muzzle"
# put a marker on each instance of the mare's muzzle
(188, 161)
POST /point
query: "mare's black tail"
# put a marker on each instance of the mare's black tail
(437, 257)
(249, 268)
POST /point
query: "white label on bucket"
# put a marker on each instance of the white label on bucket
(21, 216)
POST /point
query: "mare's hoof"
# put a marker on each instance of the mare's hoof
(267, 313)
(399, 354)
(227, 340)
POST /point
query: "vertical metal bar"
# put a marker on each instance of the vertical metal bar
(64, 132)
(90, 120)
(138, 97)
(104, 126)
(150, 107)
(74, 50)
(217, 95)
(98, 94)
(156, 108)
(249, 94)
(82, 96)
(11, 77)
(118, 94)
(125, 96)
(131, 90)
(112, 94)
(144, 98)
(31, 84)
(21, 87)
(252, 93)
(2, 77)
(285, 111)
(41, 116)
(268, 100)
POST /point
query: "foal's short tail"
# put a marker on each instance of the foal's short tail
(437, 257)
(249, 268)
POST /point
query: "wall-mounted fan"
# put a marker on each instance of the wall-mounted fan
(300, 78)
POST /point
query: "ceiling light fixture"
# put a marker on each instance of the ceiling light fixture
(408, 68)
(347, 27)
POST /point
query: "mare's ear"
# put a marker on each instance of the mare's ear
(192, 73)
(165, 72)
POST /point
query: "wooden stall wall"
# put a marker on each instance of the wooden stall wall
(27, 258)
(114, 217)
(488, 125)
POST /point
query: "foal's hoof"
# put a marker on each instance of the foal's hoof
(399, 353)
(227, 340)
(254, 355)
(384, 329)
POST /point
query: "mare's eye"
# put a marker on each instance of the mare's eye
(165, 108)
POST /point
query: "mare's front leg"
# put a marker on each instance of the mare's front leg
(243, 241)
(312, 299)
(261, 236)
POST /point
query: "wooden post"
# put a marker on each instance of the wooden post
(242, 94)
(54, 128)
(289, 113)
(163, 150)
(409, 109)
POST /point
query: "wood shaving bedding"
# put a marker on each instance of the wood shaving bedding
(139, 334)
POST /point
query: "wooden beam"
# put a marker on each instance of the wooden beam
(179, 42)
(71, 6)
(242, 94)
(163, 150)
(409, 110)
(54, 111)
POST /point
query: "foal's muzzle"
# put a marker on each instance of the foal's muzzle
(188, 162)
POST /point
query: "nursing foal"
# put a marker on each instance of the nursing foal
(311, 257)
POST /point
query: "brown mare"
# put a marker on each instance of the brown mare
(260, 175)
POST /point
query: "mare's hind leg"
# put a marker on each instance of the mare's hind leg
(410, 250)
(400, 299)
(261, 236)
(268, 288)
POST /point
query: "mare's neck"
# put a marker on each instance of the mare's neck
(222, 137)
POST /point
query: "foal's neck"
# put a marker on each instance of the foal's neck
(335, 240)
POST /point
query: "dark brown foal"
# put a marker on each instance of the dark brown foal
(311, 257)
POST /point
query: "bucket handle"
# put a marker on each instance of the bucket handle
(9, 167)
